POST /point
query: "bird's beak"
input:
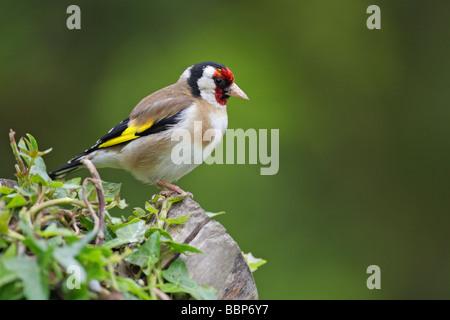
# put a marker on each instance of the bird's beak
(235, 91)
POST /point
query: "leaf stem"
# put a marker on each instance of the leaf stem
(15, 150)
(15, 235)
(97, 181)
(54, 202)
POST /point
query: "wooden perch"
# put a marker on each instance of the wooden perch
(222, 265)
(8, 183)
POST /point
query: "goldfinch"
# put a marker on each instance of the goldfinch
(142, 143)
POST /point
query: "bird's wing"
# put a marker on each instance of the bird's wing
(153, 118)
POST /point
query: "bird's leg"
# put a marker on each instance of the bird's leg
(173, 188)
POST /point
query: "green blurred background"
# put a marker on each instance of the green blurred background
(363, 118)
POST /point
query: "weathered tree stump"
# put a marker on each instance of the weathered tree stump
(8, 183)
(222, 266)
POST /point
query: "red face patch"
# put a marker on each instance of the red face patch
(228, 76)
(225, 74)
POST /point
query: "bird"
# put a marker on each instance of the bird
(143, 143)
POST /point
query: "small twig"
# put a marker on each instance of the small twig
(74, 221)
(97, 181)
(15, 150)
(15, 235)
(54, 202)
(40, 195)
(160, 294)
(72, 216)
(89, 206)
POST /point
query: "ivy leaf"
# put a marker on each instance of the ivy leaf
(5, 190)
(89, 224)
(128, 285)
(38, 172)
(74, 183)
(130, 233)
(181, 247)
(150, 208)
(148, 254)
(32, 143)
(17, 201)
(96, 260)
(35, 285)
(214, 214)
(139, 212)
(178, 276)
(253, 263)
(6, 276)
(53, 230)
(177, 220)
(110, 190)
(65, 255)
(164, 235)
(4, 221)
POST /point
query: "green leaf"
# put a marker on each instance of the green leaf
(150, 208)
(132, 232)
(3, 243)
(36, 245)
(177, 220)
(23, 147)
(35, 285)
(69, 188)
(32, 145)
(6, 276)
(178, 276)
(5, 190)
(95, 261)
(177, 198)
(10, 252)
(29, 191)
(128, 285)
(12, 291)
(139, 212)
(5, 216)
(17, 201)
(214, 214)
(38, 172)
(110, 190)
(121, 203)
(89, 224)
(164, 235)
(253, 263)
(74, 183)
(66, 255)
(53, 230)
(181, 247)
(132, 219)
(56, 184)
(147, 255)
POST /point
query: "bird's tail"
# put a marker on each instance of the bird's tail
(71, 166)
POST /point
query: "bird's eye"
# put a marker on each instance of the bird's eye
(218, 81)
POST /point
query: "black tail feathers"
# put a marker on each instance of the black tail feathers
(71, 166)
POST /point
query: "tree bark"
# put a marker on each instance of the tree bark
(222, 265)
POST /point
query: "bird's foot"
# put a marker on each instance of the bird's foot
(169, 189)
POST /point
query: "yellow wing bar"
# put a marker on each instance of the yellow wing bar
(130, 133)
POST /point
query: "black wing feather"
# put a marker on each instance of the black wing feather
(158, 126)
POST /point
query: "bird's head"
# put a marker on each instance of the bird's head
(212, 82)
